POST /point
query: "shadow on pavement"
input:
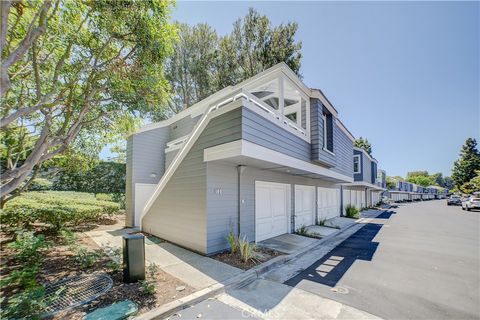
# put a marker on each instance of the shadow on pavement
(331, 268)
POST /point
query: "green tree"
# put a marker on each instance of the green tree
(204, 62)
(473, 185)
(448, 183)
(363, 144)
(392, 181)
(72, 68)
(417, 173)
(464, 168)
(424, 181)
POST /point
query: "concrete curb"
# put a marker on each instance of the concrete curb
(244, 278)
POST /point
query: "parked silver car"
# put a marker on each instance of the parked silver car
(470, 203)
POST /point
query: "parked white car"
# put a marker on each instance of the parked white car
(472, 202)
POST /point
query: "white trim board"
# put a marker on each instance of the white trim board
(364, 184)
(366, 154)
(248, 149)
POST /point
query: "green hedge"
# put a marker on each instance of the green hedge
(56, 209)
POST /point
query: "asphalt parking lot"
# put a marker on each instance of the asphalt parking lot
(418, 261)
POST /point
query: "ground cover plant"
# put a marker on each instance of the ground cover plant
(35, 257)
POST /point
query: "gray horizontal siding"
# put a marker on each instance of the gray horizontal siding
(343, 147)
(145, 155)
(263, 132)
(179, 212)
(317, 130)
(181, 127)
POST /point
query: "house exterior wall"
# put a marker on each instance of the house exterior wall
(179, 214)
(317, 133)
(145, 155)
(263, 132)
(222, 195)
(373, 175)
(358, 176)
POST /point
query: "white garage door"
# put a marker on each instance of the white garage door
(271, 209)
(304, 206)
(328, 203)
(143, 192)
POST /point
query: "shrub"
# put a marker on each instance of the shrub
(56, 209)
(86, 258)
(103, 197)
(25, 277)
(148, 285)
(40, 184)
(28, 247)
(28, 304)
(247, 249)
(232, 241)
(351, 211)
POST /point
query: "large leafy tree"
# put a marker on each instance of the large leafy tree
(363, 143)
(204, 62)
(72, 68)
(464, 168)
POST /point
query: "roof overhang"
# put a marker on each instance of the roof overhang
(243, 152)
(364, 184)
(366, 154)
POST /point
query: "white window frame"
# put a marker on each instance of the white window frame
(359, 164)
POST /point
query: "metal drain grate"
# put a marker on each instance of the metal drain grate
(75, 291)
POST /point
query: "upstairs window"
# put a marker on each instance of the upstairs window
(356, 164)
(328, 132)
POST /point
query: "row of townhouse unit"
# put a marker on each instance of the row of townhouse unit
(407, 191)
(261, 159)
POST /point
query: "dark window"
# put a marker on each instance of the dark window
(328, 131)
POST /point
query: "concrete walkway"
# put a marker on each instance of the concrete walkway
(264, 299)
(193, 269)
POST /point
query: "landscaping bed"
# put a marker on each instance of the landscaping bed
(260, 255)
(44, 254)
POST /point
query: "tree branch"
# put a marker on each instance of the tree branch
(25, 44)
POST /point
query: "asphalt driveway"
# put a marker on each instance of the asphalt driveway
(418, 261)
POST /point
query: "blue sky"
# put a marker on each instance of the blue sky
(404, 75)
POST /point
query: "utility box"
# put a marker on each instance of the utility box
(133, 257)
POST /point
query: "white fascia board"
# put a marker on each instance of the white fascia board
(193, 111)
(364, 184)
(366, 154)
(319, 95)
(247, 149)
(344, 129)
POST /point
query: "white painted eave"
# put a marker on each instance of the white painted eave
(242, 150)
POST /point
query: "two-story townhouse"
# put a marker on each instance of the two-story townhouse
(381, 182)
(364, 191)
(401, 192)
(260, 159)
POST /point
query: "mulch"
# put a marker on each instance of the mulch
(262, 255)
(59, 262)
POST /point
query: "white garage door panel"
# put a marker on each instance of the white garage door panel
(328, 203)
(271, 209)
(304, 206)
(143, 192)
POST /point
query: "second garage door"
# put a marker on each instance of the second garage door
(328, 203)
(271, 209)
(304, 206)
